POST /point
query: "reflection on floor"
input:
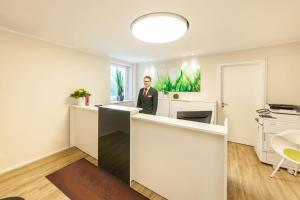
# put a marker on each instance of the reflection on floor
(114, 151)
(248, 179)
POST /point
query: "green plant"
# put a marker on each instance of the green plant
(176, 96)
(119, 81)
(80, 93)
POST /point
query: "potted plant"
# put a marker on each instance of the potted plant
(80, 95)
(119, 81)
(175, 96)
(166, 94)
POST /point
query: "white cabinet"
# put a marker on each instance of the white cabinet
(193, 105)
(163, 108)
(170, 107)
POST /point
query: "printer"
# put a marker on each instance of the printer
(271, 120)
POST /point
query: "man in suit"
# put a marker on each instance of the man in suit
(148, 98)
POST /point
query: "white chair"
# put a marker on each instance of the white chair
(286, 144)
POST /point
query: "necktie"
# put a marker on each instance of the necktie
(145, 91)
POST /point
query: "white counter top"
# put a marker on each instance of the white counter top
(124, 101)
(193, 100)
(90, 108)
(115, 107)
(123, 108)
(186, 99)
(209, 128)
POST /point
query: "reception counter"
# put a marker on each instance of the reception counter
(175, 158)
(84, 129)
(179, 159)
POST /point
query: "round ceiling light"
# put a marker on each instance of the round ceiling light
(159, 27)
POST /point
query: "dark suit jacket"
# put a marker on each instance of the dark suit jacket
(149, 102)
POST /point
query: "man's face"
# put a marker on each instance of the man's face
(147, 82)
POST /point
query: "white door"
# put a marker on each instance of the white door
(242, 93)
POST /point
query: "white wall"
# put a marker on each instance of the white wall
(283, 71)
(36, 79)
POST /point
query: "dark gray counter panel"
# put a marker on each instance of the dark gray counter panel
(114, 142)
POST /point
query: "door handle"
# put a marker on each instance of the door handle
(224, 104)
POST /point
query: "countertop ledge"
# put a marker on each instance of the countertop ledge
(197, 126)
(91, 108)
(109, 106)
(120, 102)
(123, 108)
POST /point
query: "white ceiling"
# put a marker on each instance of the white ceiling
(102, 27)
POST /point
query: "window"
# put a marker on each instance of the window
(121, 82)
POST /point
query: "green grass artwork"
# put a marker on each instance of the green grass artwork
(183, 83)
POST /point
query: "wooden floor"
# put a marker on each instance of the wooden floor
(248, 179)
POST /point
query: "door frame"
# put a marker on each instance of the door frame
(264, 63)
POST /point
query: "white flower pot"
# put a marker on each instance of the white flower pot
(81, 101)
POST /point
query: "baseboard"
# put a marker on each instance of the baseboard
(31, 161)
